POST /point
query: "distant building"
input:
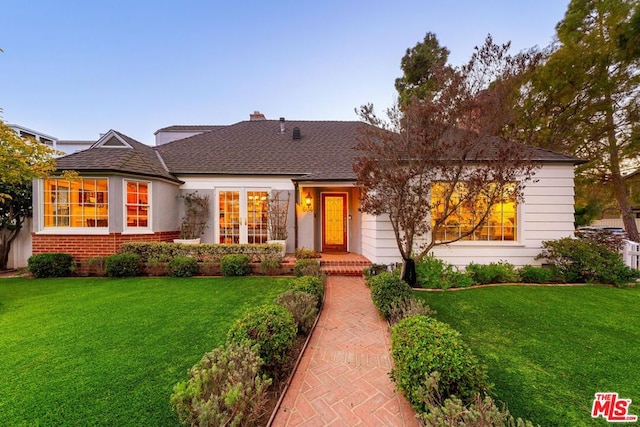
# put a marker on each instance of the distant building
(65, 146)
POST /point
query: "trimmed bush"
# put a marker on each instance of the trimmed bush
(52, 264)
(307, 267)
(433, 273)
(495, 272)
(421, 346)
(408, 307)
(302, 305)
(273, 329)
(235, 265)
(270, 266)
(123, 265)
(304, 253)
(311, 285)
(580, 260)
(165, 252)
(387, 289)
(182, 267)
(532, 274)
(224, 388)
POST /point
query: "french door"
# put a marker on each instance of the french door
(242, 216)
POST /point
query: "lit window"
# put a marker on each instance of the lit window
(78, 203)
(499, 225)
(137, 205)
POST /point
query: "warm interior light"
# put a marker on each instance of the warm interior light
(308, 200)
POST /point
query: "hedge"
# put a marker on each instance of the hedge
(165, 252)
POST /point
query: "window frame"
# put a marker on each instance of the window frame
(126, 228)
(517, 229)
(42, 193)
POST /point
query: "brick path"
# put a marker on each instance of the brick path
(342, 379)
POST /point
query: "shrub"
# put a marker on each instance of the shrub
(479, 413)
(273, 329)
(224, 388)
(495, 272)
(123, 265)
(304, 253)
(311, 285)
(578, 260)
(165, 252)
(420, 346)
(408, 307)
(432, 272)
(97, 265)
(387, 289)
(52, 264)
(302, 305)
(182, 267)
(307, 267)
(270, 266)
(532, 274)
(235, 265)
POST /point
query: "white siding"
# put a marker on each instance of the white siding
(545, 214)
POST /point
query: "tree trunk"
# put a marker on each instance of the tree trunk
(4, 256)
(619, 186)
(409, 272)
(7, 236)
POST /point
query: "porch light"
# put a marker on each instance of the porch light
(308, 203)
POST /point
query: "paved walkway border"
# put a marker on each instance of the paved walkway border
(342, 378)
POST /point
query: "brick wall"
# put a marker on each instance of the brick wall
(82, 247)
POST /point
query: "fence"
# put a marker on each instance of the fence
(631, 254)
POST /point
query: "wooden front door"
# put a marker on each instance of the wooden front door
(334, 222)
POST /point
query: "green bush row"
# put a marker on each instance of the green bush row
(51, 265)
(165, 252)
(229, 385)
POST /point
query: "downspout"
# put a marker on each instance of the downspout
(295, 216)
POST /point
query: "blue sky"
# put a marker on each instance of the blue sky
(75, 69)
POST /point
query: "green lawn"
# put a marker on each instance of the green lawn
(550, 349)
(97, 351)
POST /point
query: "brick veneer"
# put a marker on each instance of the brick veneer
(82, 247)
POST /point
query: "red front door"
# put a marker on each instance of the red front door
(334, 222)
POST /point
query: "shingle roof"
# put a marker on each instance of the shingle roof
(323, 152)
(140, 159)
(189, 128)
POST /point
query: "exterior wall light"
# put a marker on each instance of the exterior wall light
(308, 203)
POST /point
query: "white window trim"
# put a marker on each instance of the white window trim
(137, 230)
(70, 230)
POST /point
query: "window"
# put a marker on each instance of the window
(81, 203)
(499, 225)
(137, 205)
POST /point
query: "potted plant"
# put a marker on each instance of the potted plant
(196, 215)
(277, 215)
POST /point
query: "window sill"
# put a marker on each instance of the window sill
(130, 231)
(74, 231)
(488, 243)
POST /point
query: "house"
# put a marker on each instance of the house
(62, 145)
(129, 191)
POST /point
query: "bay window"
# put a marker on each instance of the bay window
(77, 203)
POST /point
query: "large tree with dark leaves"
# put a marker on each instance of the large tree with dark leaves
(14, 211)
(453, 142)
(585, 100)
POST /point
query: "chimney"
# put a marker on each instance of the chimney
(256, 115)
(281, 125)
(296, 133)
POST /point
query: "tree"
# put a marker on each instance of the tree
(585, 99)
(433, 156)
(22, 160)
(417, 65)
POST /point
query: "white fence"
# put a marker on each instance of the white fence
(631, 254)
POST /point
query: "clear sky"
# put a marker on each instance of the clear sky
(76, 68)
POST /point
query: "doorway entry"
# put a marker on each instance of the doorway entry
(334, 222)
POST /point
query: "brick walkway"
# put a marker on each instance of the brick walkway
(342, 379)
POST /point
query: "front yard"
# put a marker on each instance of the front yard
(550, 349)
(97, 351)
